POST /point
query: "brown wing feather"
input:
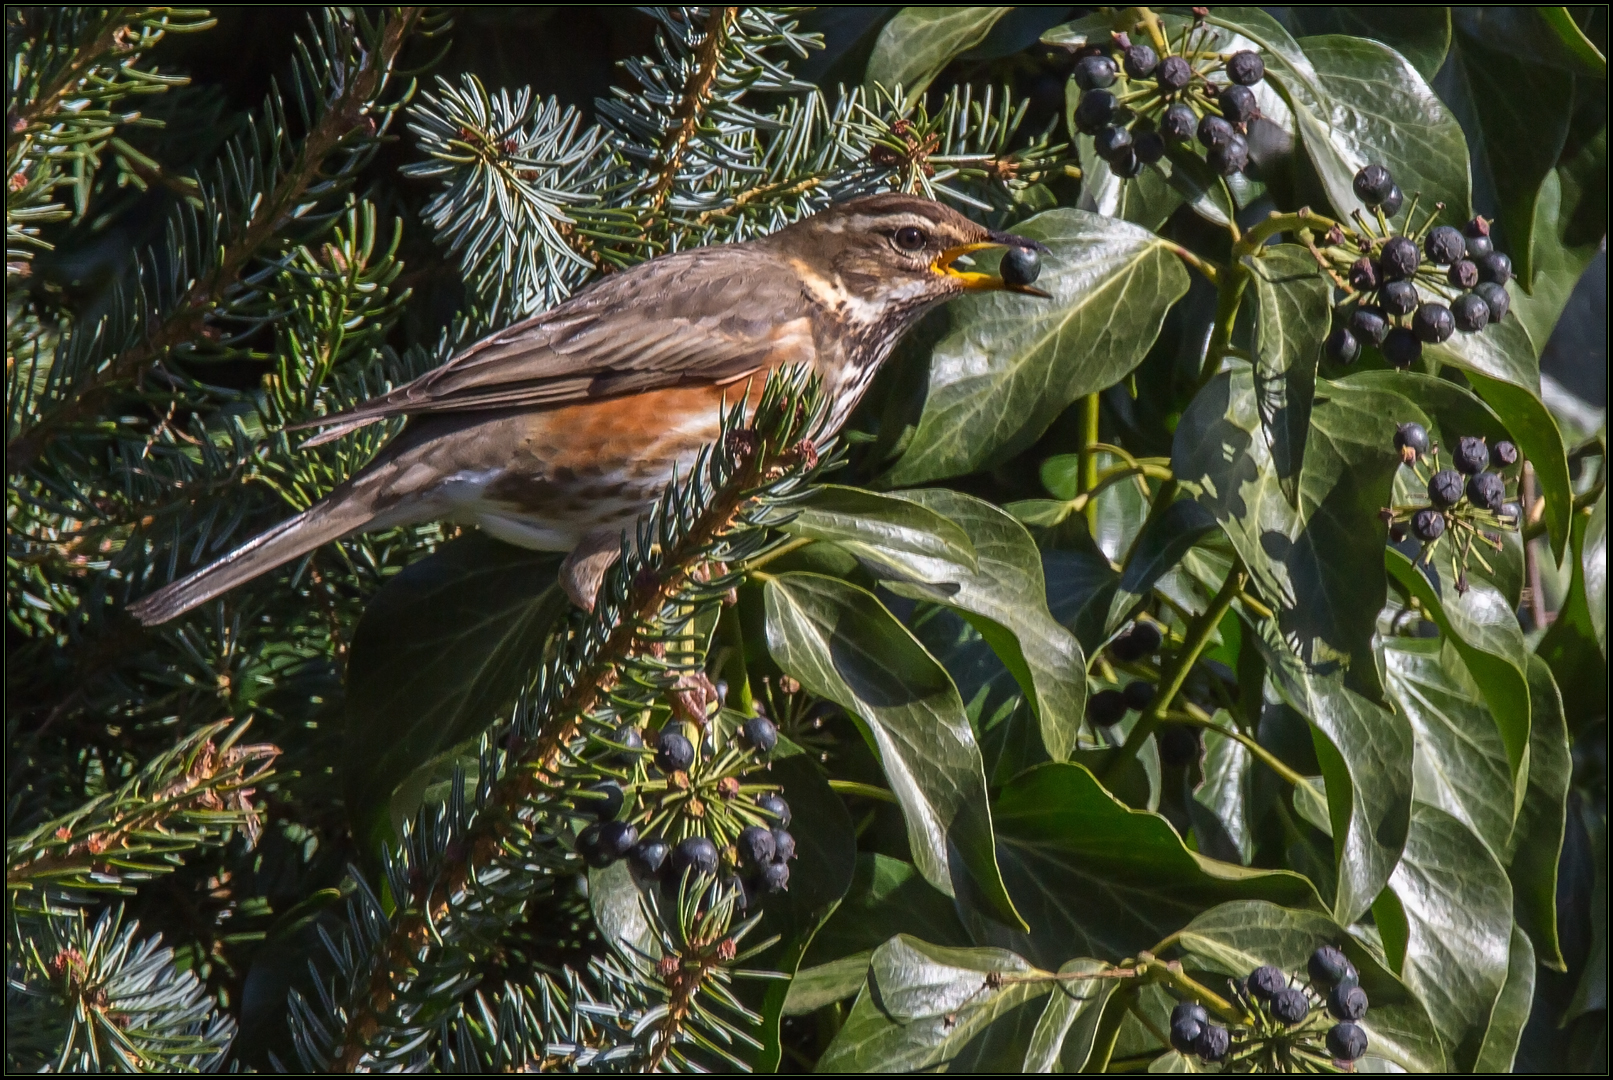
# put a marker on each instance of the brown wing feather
(630, 332)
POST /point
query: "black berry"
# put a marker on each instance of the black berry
(1463, 274)
(1106, 708)
(1095, 110)
(1149, 147)
(1328, 966)
(1400, 258)
(1095, 72)
(1346, 1042)
(1396, 199)
(1363, 275)
(1445, 488)
(1246, 68)
(1470, 313)
(695, 853)
(1428, 525)
(1184, 1033)
(1471, 454)
(1110, 142)
(1503, 454)
(603, 800)
(1139, 695)
(1213, 131)
(761, 734)
(1410, 439)
(1512, 510)
(1191, 1010)
(1487, 491)
(1444, 245)
(1229, 157)
(588, 844)
(1290, 1005)
(1139, 61)
(1178, 123)
(1140, 640)
(616, 839)
(1265, 981)
(1433, 323)
(1127, 164)
(741, 893)
(1347, 1001)
(775, 877)
(1238, 104)
(783, 845)
(1173, 73)
(776, 806)
(1398, 531)
(629, 736)
(673, 752)
(756, 845)
(1372, 184)
(1398, 297)
(1495, 267)
(1369, 325)
(1401, 348)
(1020, 266)
(1178, 745)
(649, 856)
(1213, 1042)
(1476, 234)
(1496, 298)
(1342, 348)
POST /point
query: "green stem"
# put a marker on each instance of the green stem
(1089, 458)
(1257, 235)
(733, 635)
(867, 791)
(1173, 677)
(1192, 714)
(1211, 271)
(1229, 298)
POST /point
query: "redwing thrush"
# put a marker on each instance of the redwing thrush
(558, 432)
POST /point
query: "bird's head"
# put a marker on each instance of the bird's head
(893, 254)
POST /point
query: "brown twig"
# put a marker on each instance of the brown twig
(692, 102)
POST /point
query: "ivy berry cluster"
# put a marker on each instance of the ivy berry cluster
(1464, 500)
(687, 805)
(1304, 1023)
(1410, 288)
(1106, 708)
(1166, 101)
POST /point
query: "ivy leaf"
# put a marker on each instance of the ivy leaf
(842, 644)
(1511, 1010)
(1162, 543)
(1461, 763)
(1146, 199)
(1062, 1041)
(1569, 224)
(1005, 599)
(1010, 363)
(1234, 938)
(1100, 879)
(1310, 560)
(1578, 662)
(1537, 837)
(1456, 905)
(438, 652)
(1421, 34)
(924, 1003)
(1593, 567)
(1486, 633)
(1365, 752)
(880, 530)
(1220, 807)
(919, 41)
(1293, 305)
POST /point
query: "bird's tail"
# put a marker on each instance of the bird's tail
(328, 520)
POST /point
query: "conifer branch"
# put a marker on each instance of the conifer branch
(692, 103)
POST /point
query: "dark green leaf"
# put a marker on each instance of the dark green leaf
(1420, 34)
(1487, 635)
(1220, 807)
(1310, 561)
(1062, 1041)
(1537, 837)
(1570, 222)
(1293, 302)
(1005, 599)
(1457, 906)
(1235, 938)
(1461, 763)
(924, 1003)
(1593, 565)
(1511, 1010)
(1366, 754)
(880, 530)
(446, 645)
(842, 644)
(1011, 363)
(1577, 661)
(1099, 879)
(919, 41)
(1158, 548)
(1081, 30)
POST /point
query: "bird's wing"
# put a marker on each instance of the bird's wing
(714, 315)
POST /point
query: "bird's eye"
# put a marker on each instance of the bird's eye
(910, 238)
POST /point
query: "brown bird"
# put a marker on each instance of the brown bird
(558, 432)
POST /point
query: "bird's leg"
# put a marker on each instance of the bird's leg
(584, 569)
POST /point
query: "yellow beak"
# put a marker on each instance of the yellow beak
(977, 282)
